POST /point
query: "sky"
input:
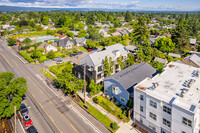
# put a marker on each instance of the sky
(167, 5)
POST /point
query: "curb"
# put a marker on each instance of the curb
(89, 113)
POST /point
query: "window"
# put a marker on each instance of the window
(153, 116)
(98, 76)
(141, 120)
(115, 90)
(153, 104)
(166, 122)
(187, 122)
(141, 97)
(167, 110)
(122, 99)
(79, 75)
(99, 68)
(152, 126)
(141, 108)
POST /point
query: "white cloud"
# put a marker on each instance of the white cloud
(70, 3)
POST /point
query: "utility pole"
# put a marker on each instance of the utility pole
(84, 81)
(35, 52)
(15, 118)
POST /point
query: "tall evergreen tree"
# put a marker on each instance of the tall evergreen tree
(128, 16)
(141, 34)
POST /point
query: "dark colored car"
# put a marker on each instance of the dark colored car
(23, 109)
(80, 52)
(72, 55)
(27, 120)
(32, 129)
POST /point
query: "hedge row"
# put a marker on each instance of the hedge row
(26, 56)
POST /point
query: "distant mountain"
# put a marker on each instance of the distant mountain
(4, 8)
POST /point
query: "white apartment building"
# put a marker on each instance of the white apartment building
(170, 101)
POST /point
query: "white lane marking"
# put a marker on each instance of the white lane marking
(1, 49)
(21, 126)
(85, 119)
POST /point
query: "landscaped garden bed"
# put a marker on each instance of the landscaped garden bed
(5, 126)
(111, 108)
(101, 117)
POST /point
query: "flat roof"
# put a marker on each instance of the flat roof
(179, 85)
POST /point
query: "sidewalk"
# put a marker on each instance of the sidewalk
(124, 127)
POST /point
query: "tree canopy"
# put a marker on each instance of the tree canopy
(11, 91)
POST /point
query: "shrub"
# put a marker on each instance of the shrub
(12, 40)
(26, 56)
(120, 116)
(95, 99)
(114, 126)
(51, 55)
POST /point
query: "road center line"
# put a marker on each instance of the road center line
(55, 106)
(45, 111)
(15, 62)
(6, 60)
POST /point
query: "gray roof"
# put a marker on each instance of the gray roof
(75, 32)
(196, 59)
(80, 40)
(133, 75)
(174, 55)
(131, 47)
(96, 58)
(163, 61)
(63, 42)
(123, 32)
(193, 41)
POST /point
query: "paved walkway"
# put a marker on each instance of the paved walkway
(124, 127)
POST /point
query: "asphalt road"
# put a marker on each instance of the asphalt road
(51, 112)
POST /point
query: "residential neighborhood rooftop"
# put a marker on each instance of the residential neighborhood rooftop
(179, 85)
(134, 74)
(97, 58)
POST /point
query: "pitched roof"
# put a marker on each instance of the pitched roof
(164, 61)
(196, 59)
(116, 34)
(131, 47)
(193, 41)
(174, 55)
(133, 75)
(97, 58)
(80, 40)
(63, 42)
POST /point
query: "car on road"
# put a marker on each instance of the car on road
(32, 129)
(72, 55)
(80, 52)
(47, 61)
(59, 62)
(90, 50)
(23, 109)
(95, 49)
(57, 58)
(27, 120)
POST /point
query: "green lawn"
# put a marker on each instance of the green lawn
(47, 74)
(97, 114)
(112, 108)
(56, 69)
